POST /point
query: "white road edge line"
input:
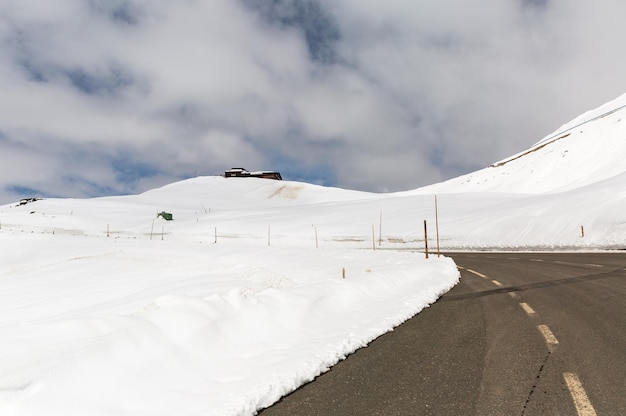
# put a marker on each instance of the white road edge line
(581, 401)
(527, 309)
(477, 273)
(495, 282)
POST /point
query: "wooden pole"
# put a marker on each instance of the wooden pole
(437, 226)
(582, 231)
(425, 239)
(343, 272)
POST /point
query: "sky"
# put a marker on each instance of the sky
(106, 97)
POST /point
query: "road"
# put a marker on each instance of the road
(521, 334)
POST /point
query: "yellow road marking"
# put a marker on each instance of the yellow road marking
(477, 273)
(527, 308)
(581, 401)
(548, 335)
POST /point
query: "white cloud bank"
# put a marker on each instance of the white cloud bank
(105, 97)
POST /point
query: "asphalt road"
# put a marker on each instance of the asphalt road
(521, 334)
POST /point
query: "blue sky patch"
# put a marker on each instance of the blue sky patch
(120, 11)
(129, 171)
(25, 191)
(109, 83)
(320, 29)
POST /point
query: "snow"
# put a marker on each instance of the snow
(159, 319)
(107, 309)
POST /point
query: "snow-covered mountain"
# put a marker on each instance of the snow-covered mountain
(587, 150)
(564, 192)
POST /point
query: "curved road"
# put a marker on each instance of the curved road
(521, 334)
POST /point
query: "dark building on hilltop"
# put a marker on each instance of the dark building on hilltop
(242, 173)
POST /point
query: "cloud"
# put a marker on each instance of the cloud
(105, 97)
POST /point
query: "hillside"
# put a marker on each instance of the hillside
(589, 149)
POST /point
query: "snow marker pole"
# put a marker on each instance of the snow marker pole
(425, 239)
(437, 226)
(380, 229)
(373, 239)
